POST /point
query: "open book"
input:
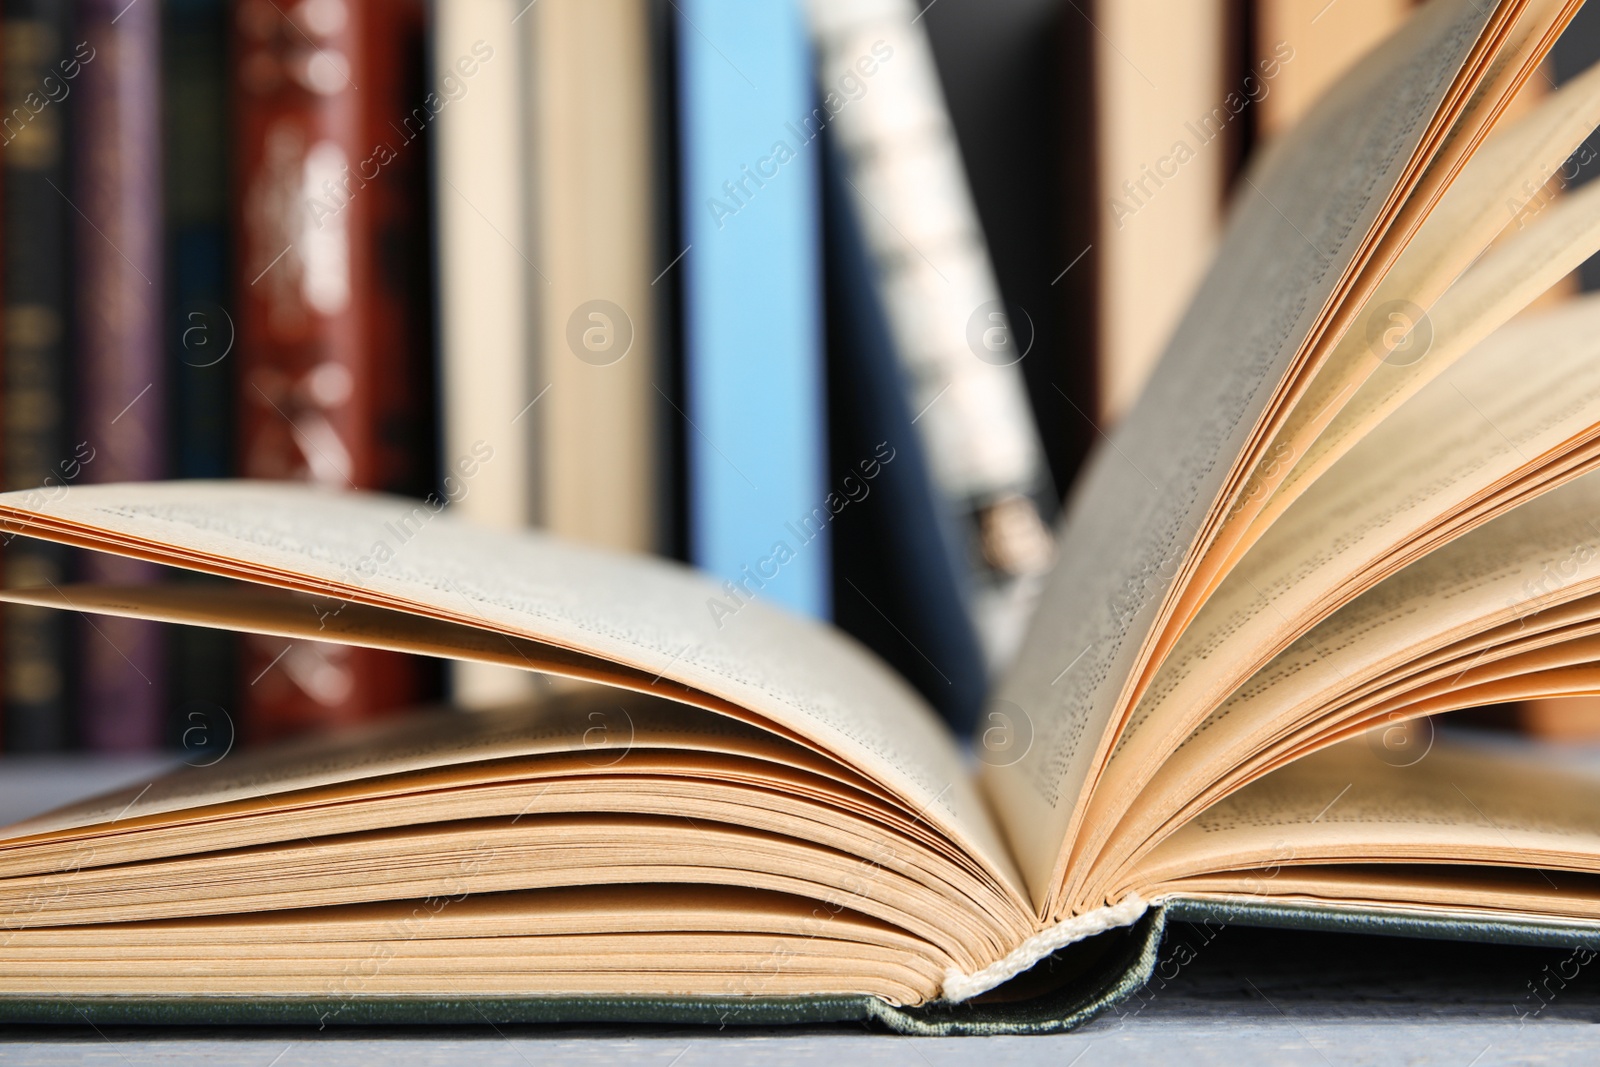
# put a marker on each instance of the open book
(1358, 491)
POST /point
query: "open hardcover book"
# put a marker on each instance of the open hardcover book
(1358, 491)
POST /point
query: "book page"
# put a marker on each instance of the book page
(603, 727)
(653, 618)
(1503, 579)
(1503, 62)
(1300, 224)
(1571, 668)
(1475, 441)
(1405, 333)
(1508, 279)
(594, 940)
(682, 772)
(568, 829)
(1346, 805)
(1532, 898)
(659, 817)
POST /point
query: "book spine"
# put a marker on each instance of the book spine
(327, 343)
(1017, 80)
(759, 502)
(40, 73)
(484, 283)
(952, 334)
(593, 205)
(200, 332)
(392, 171)
(896, 591)
(116, 191)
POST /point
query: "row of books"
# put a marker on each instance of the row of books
(87, 394)
(828, 299)
(203, 280)
(765, 332)
(595, 266)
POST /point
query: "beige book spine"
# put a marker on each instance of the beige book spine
(1327, 39)
(1162, 162)
(592, 211)
(485, 282)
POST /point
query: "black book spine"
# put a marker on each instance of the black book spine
(40, 78)
(200, 332)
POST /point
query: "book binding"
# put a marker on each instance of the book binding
(959, 986)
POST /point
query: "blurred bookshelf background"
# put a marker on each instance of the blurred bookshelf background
(827, 298)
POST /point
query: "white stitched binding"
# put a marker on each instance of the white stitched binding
(959, 987)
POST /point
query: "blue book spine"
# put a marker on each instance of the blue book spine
(759, 502)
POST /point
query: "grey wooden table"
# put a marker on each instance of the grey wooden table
(1247, 997)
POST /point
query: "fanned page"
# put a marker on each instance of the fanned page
(551, 605)
(1510, 607)
(453, 846)
(1517, 416)
(1314, 231)
(1516, 836)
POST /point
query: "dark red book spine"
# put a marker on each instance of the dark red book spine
(116, 194)
(329, 358)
